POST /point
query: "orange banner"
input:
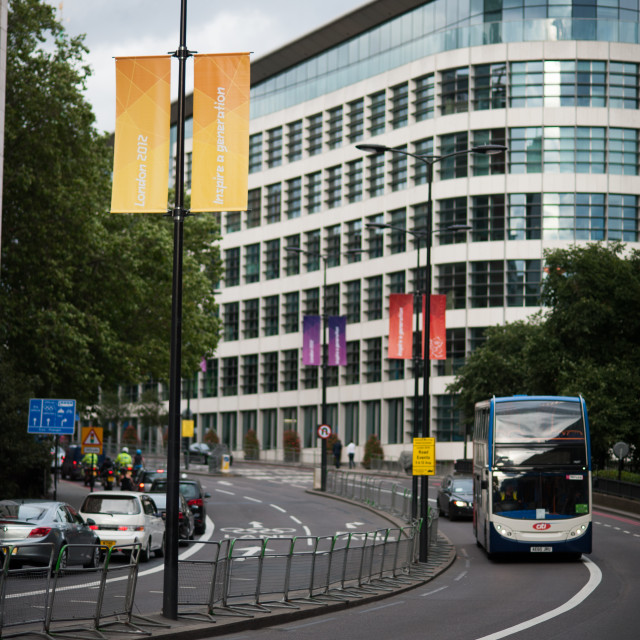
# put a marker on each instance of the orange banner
(220, 169)
(438, 328)
(141, 154)
(400, 323)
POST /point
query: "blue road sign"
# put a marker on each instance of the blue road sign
(52, 417)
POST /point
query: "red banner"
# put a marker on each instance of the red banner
(438, 328)
(400, 323)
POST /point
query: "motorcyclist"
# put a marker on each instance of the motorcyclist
(90, 463)
(138, 460)
(123, 459)
(105, 468)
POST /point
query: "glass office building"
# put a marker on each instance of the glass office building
(556, 81)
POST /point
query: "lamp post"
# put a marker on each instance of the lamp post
(323, 450)
(487, 149)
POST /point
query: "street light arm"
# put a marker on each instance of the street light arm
(382, 225)
(486, 149)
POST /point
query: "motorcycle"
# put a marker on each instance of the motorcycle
(108, 479)
(90, 475)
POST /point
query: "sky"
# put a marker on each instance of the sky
(152, 27)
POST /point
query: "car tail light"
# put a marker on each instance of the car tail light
(196, 502)
(110, 472)
(93, 527)
(141, 486)
(39, 532)
(180, 516)
(123, 527)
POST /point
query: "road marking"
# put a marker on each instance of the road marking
(308, 624)
(296, 520)
(252, 499)
(382, 606)
(229, 493)
(428, 593)
(595, 576)
(462, 575)
(275, 506)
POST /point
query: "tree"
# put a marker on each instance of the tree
(292, 446)
(373, 452)
(251, 445)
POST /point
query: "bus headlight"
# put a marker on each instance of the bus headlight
(504, 531)
(460, 503)
(577, 531)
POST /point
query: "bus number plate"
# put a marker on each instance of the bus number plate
(540, 549)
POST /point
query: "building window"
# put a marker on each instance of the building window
(289, 375)
(397, 282)
(623, 85)
(525, 150)
(400, 105)
(352, 370)
(233, 222)
(312, 251)
(254, 206)
(229, 429)
(314, 192)
(334, 186)
(231, 321)
(310, 426)
(352, 300)
(420, 225)
(251, 318)
(332, 301)
(255, 153)
(455, 167)
(487, 218)
(274, 202)
(455, 351)
(375, 237)
(249, 422)
(312, 302)
(252, 263)
(487, 284)
(272, 259)
(269, 428)
(623, 151)
(356, 120)
(291, 316)
(395, 407)
(230, 376)
(294, 141)
(490, 86)
(523, 283)
(232, 267)
(250, 374)
(448, 419)
(294, 198)
(453, 211)
(310, 378)
(354, 180)
(274, 147)
(333, 245)
(477, 338)
(374, 298)
(424, 98)
(399, 165)
(353, 241)
(377, 113)
(454, 96)
(209, 379)
(352, 422)
(292, 258)
(622, 218)
(372, 418)
(485, 164)
(314, 134)
(270, 315)
(422, 147)
(397, 238)
(590, 216)
(373, 360)
(524, 216)
(270, 372)
(395, 369)
(452, 282)
(376, 175)
(334, 128)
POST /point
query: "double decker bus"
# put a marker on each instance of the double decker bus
(532, 475)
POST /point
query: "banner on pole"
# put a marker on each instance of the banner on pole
(220, 168)
(438, 328)
(141, 151)
(337, 341)
(400, 323)
(311, 328)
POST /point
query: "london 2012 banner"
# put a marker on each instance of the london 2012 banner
(141, 153)
(220, 169)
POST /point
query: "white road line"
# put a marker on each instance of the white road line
(275, 506)
(462, 575)
(428, 593)
(308, 624)
(595, 576)
(252, 499)
(229, 493)
(382, 606)
(296, 520)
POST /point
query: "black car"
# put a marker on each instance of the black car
(145, 477)
(39, 529)
(455, 496)
(194, 493)
(72, 464)
(186, 520)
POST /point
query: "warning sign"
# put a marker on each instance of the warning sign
(92, 440)
(424, 456)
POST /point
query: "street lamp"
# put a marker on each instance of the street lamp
(486, 149)
(323, 449)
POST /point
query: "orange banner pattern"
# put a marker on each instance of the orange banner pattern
(143, 117)
(400, 323)
(220, 169)
(438, 328)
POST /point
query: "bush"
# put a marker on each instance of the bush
(372, 451)
(251, 446)
(211, 437)
(130, 436)
(291, 444)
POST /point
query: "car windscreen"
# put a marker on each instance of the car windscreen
(124, 505)
(159, 499)
(463, 486)
(188, 489)
(25, 512)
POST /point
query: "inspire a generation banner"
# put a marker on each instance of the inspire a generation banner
(400, 327)
(220, 169)
(141, 153)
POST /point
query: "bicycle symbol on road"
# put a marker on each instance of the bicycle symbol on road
(258, 530)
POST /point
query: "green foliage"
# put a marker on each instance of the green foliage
(251, 446)
(612, 474)
(211, 437)
(130, 436)
(372, 451)
(587, 342)
(292, 446)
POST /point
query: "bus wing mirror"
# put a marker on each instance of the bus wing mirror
(484, 485)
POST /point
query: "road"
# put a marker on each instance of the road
(476, 599)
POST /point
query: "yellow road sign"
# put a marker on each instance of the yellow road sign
(424, 456)
(92, 440)
(188, 427)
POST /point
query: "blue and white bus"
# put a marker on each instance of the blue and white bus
(532, 475)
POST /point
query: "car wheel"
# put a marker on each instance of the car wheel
(145, 553)
(63, 559)
(94, 561)
(160, 551)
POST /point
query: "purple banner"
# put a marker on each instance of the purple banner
(311, 341)
(337, 340)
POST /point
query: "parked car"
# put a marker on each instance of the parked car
(72, 463)
(194, 493)
(200, 450)
(126, 518)
(186, 520)
(46, 526)
(455, 496)
(57, 458)
(145, 477)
